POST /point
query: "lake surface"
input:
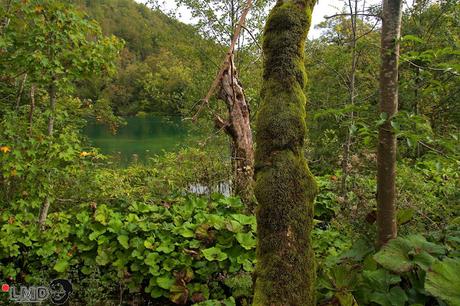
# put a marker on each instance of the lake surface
(142, 136)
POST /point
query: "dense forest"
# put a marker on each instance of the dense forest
(315, 171)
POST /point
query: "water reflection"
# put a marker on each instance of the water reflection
(140, 138)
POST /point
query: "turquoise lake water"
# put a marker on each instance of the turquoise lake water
(141, 137)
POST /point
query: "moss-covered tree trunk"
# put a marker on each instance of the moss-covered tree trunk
(285, 188)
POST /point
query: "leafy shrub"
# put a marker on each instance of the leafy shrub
(407, 271)
(185, 251)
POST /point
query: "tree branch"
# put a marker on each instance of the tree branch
(226, 61)
(347, 14)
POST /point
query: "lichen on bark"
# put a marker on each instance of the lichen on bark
(285, 188)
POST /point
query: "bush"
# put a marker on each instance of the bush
(192, 249)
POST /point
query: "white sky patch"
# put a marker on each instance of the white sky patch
(322, 8)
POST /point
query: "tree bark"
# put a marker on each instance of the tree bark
(352, 92)
(285, 188)
(20, 92)
(32, 107)
(387, 146)
(44, 213)
(238, 127)
(52, 96)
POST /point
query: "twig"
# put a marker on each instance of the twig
(253, 37)
(347, 14)
(435, 150)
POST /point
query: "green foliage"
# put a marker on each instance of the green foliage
(165, 67)
(50, 41)
(408, 270)
(31, 162)
(134, 234)
(404, 254)
(162, 249)
(443, 280)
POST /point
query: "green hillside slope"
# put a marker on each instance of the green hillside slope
(165, 66)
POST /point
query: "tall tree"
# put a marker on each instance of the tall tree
(54, 45)
(285, 188)
(387, 146)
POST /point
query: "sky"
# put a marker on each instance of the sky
(322, 8)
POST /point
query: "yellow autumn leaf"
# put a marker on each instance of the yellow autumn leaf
(5, 149)
(38, 9)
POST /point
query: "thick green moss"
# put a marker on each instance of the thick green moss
(285, 188)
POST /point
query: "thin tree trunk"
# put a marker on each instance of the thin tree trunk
(32, 108)
(21, 90)
(44, 213)
(52, 96)
(238, 127)
(285, 188)
(6, 21)
(387, 146)
(352, 92)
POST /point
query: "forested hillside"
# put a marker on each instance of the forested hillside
(307, 172)
(164, 67)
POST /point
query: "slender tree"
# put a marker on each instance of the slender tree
(67, 47)
(285, 188)
(386, 152)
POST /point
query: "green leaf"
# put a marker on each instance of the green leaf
(380, 280)
(165, 282)
(216, 221)
(166, 246)
(102, 214)
(443, 280)
(86, 270)
(403, 254)
(102, 258)
(344, 277)
(61, 265)
(124, 241)
(346, 299)
(152, 259)
(358, 251)
(246, 240)
(412, 38)
(149, 243)
(382, 120)
(243, 219)
(405, 215)
(395, 125)
(185, 232)
(234, 226)
(396, 297)
(94, 235)
(214, 253)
